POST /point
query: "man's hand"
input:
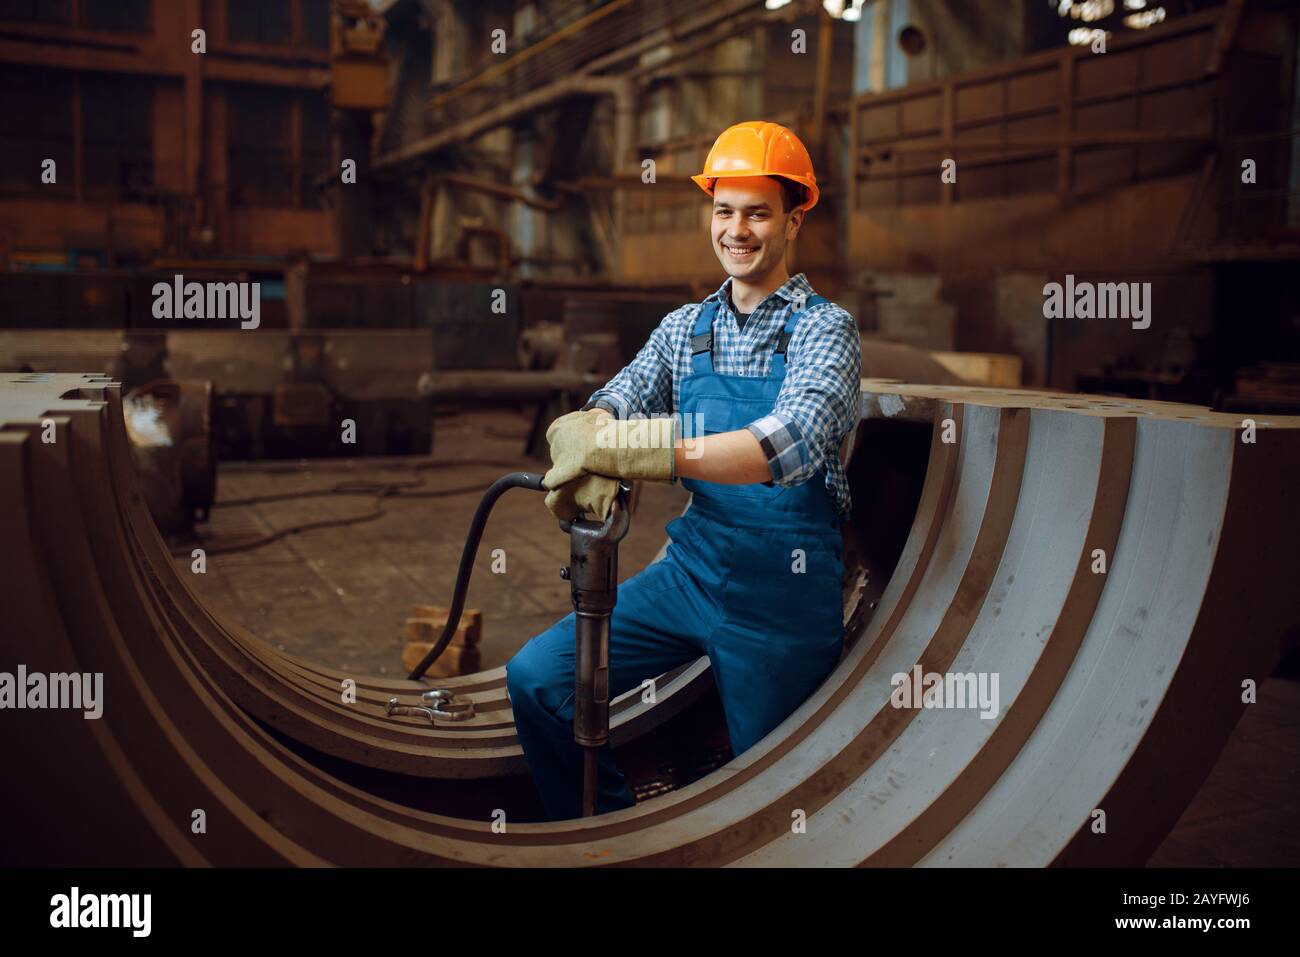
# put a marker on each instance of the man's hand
(594, 442)
(590, 493)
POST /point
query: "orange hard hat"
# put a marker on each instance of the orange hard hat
(758, 148)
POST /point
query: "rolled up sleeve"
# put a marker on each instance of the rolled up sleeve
(818, 401)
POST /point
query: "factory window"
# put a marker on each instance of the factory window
(126, 16)
(117, 136)
(262, 127)
(315, 146)
(259, 134)
(37, 11)
(259, 21)
(316, 23)
(36, 125)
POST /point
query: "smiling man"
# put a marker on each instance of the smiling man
(751, 577)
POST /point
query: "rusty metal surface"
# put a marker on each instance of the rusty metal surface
(1104, 678)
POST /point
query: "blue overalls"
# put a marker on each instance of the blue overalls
(751, 578)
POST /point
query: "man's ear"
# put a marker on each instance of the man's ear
(793, 224)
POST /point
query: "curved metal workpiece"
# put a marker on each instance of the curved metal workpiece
(1109, 573)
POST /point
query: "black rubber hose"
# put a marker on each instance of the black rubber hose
(530, 480)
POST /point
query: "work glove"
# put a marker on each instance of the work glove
(589, 493)
(594, 442)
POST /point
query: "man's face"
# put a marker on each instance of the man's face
(749, 229)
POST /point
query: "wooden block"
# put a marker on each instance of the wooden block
(439, 611)
(453, 660)
(431, 629)
(424, 629)
(428, 623)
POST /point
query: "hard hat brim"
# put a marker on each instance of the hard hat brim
(707, 183)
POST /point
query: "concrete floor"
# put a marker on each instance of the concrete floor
(340, 595)
(1247, 814)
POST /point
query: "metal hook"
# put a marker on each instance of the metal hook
(394, 707)
(439, 703)
(446, 706)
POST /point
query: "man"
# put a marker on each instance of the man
(770, 373)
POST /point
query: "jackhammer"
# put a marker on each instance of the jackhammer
(592, 574)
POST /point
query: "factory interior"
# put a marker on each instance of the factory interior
(288, 285)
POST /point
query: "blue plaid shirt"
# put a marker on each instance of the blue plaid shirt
(818, 402)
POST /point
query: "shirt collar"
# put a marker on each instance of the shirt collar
(794, 290)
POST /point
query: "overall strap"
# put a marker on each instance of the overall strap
(702, 339)
(783, 341)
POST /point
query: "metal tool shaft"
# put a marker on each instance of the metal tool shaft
(593, 576)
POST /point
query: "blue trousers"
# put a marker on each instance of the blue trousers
(764, 605)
